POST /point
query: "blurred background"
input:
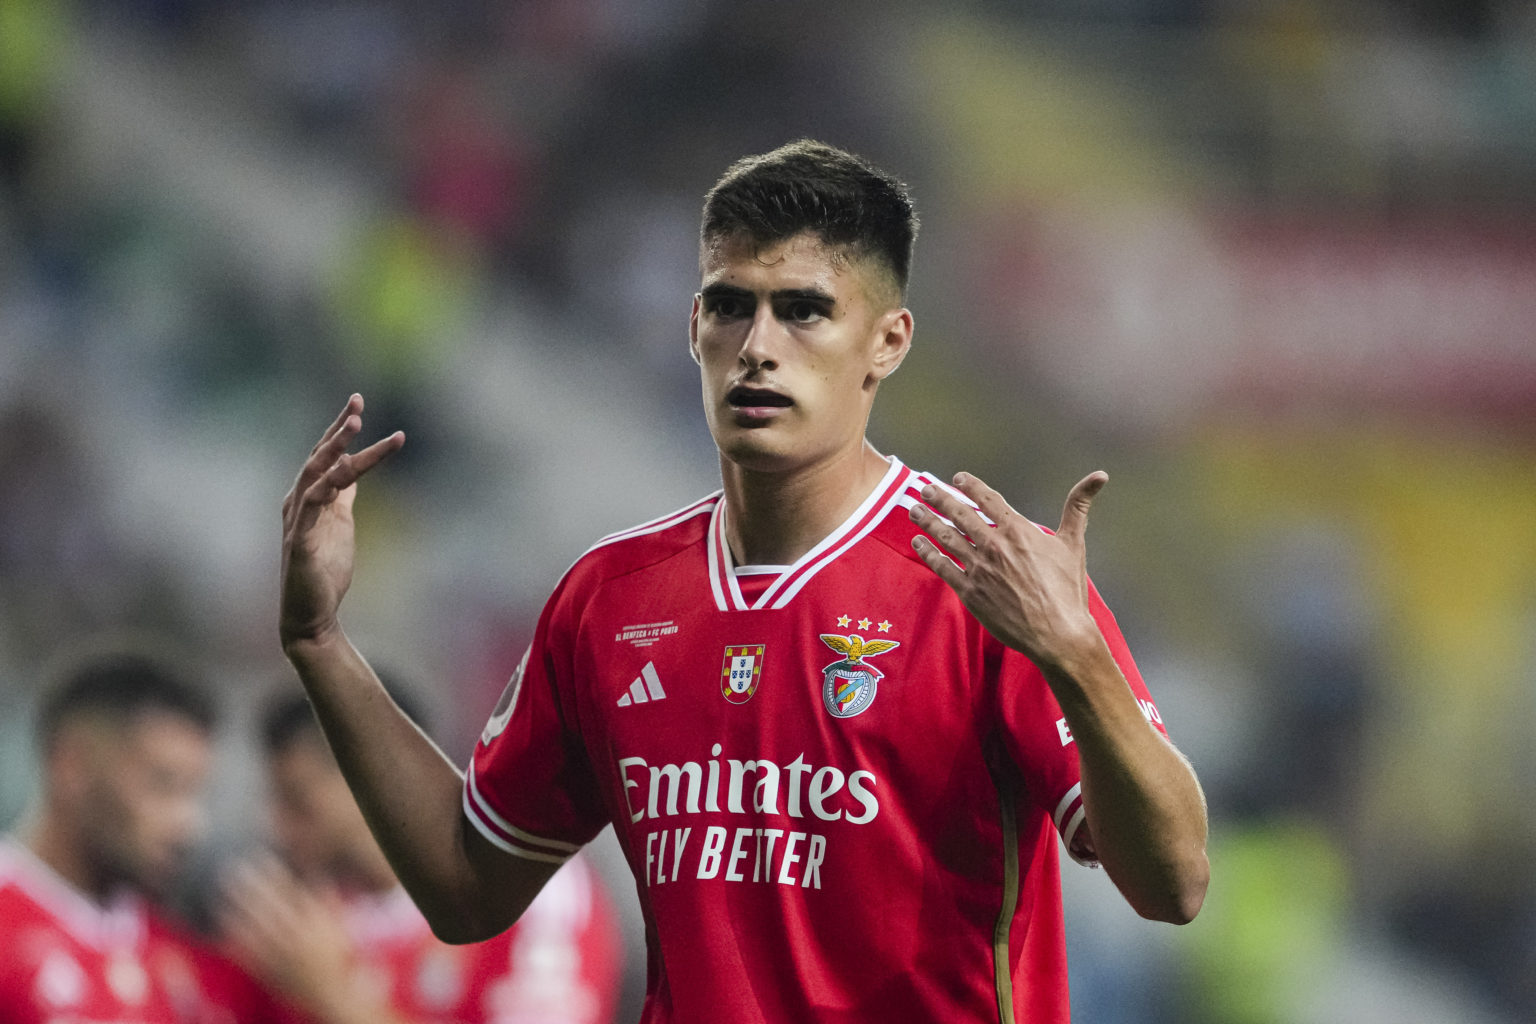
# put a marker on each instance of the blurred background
(1270, 264)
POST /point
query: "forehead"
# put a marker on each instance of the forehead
(164, 735)
(144, 732)
(146, 744)
(800, 261)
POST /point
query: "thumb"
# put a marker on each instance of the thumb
(1074, 515)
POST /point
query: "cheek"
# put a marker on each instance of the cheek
(158, 815)
(109, 809)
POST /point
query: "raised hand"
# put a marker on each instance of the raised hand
(318, 537)
(1028, 587)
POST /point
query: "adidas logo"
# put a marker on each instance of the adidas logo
(647, 686)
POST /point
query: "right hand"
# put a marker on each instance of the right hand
(318, 539)
(290, 936)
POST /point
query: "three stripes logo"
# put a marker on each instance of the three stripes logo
(646, 687)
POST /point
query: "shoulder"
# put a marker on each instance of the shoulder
(896, 528)
(27, 895)
(641, 546)
(16, 905)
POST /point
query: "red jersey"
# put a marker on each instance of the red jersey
(558, 965)
(840, 796)
(66, 959)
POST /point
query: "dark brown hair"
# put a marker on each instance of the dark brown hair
(811, 186)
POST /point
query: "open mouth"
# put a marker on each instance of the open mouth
(745, 397)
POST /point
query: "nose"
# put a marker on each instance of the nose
(761, 341)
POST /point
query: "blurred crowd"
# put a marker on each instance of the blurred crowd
(1270, 264)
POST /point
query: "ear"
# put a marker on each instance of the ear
(69, 760)
(693, 329)
(893, 338)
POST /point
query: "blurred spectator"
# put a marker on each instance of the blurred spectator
(330, 929)
(124, 741)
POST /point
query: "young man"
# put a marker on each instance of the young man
(125, 746)
(330, 931)
(838, 712)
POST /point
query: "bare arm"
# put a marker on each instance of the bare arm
(408, 791)
(1145, 812)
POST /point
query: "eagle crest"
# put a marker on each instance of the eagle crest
(855, 648)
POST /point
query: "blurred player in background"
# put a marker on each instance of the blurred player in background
(330, 932)
(125, 745)
(840, 714)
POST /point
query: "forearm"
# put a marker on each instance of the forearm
(407, 789)
(1143, 805)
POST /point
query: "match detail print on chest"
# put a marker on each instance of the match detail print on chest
(838, 652)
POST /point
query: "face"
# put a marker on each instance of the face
(792, 339)
(137, 794)
(315, 820)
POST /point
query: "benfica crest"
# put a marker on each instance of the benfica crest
(740, 673)
(848, 686)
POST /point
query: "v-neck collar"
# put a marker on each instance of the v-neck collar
(722, 576)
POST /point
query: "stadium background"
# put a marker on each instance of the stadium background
(1270, 264)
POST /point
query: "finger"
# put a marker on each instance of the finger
(354, 407)
(962, 515)
(1074, 514)
(361, 462)
(348, 469)
(246, 927)
(950, 540)
(234, 931)
(327, 453)
(246, 890)
(941, 564)
(287, 885)
(345, 471)
(992, 504)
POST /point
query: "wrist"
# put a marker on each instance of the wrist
(346, 1003)
(1074, 646)
(1077, 666)
(310, 646)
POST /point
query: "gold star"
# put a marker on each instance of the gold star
(863, 623)
(843, 621)
(885, 627)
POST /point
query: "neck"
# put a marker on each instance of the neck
(774, 518)
(56, 846)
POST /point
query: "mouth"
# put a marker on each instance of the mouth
(742, 397)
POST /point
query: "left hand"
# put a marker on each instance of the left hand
(1028, 587)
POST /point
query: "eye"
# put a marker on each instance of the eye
(726, 307)
(803, 311)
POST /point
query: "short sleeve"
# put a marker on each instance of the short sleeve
(529, 789)
(1038, 737)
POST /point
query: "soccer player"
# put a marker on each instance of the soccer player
(330, 931)
(840, 713)
(125, 744)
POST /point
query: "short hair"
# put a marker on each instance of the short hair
(810, 186)
(121, 684)
(289, 716)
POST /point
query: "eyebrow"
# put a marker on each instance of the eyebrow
(718, 290)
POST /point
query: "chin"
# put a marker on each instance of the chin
(152, 880)
(751, 451)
